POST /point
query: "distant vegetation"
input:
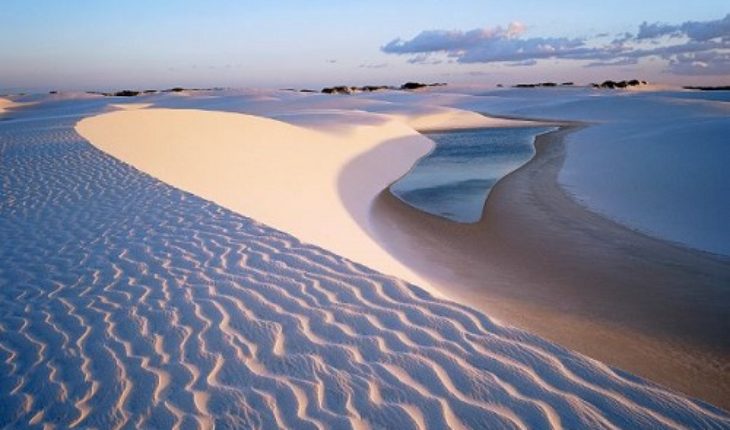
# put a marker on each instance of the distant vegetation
(135, 93)
(605, 84)
(543, 84)
(619, 84)
(719, 88)
(342, 89)
(418, 85)
(408, 86)
(126, 93)
(123, 93)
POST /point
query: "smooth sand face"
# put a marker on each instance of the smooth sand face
(276, 173)
(6, 104)
(439, 118)
(286, 176)
(131, 106)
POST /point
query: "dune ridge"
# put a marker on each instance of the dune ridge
(7, 104)
(275, 172)
(126, 302)
(281, 174)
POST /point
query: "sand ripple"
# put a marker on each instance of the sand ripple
(125, 303)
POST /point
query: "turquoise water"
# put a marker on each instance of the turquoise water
(454, 180)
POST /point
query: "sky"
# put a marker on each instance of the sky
(105, 44)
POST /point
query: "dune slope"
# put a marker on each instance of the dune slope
(286, 176)
(277, 173)
(127, 302)
(6, 104)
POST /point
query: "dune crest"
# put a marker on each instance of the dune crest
(6, 104)
(280, 174)
(283, 175)
(130, 303)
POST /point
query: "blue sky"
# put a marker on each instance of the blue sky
(84, 44)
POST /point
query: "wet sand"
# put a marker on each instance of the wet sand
(540, 261)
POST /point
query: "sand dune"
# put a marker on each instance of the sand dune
(283, 175)
(280, 174)
(6, 104)
(129, 303)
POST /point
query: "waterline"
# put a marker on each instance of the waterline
(455, 179)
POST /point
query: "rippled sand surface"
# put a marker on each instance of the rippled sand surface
(127, 303)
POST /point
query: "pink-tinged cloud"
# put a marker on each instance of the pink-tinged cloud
(691, 47)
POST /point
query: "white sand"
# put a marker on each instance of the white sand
(130, 106)
(282, 175)
(6, 104)
(130, 304)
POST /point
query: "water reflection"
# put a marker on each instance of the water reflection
(454, 180)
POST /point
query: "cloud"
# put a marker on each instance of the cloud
(700, 47)
(424, 59)
(525, 63)
(440, 40)
(654, 30)
(484, 45)
(523, 50)
(373, 66)
(619, 62)
(701, 63)
(622, 38)
(708, 30)
(694, 30)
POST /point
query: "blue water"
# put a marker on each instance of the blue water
(454, 180)
(656, 162)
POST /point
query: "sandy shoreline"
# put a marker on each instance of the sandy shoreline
(540, 261)
(298, 179)
(130, 303)
(527, 265)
